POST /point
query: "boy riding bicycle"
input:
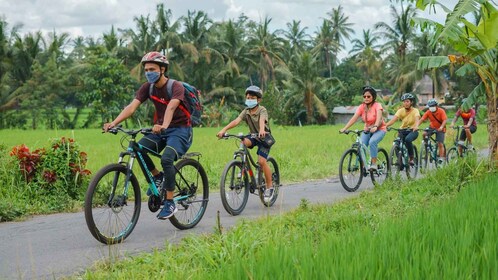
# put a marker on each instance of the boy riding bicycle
(437, 118)
(256, 117)
(172, 130)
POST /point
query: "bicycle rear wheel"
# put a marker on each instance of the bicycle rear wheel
(191, 193)
(351, 170)
(383, 168)
(234, 188)
(112, 204)
(275, 177)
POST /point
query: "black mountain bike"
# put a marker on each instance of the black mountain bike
(353, 165)
(399, 156)
(454, 152)
(429, 151)
(113, 198)
(238, 179)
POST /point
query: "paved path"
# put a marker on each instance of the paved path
(51, 246)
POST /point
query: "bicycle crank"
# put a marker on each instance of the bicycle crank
(154, 203)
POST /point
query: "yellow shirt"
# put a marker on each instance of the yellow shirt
(407, 118)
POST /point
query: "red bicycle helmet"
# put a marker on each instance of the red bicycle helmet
(155, 57)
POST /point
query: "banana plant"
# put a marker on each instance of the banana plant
(476, 50)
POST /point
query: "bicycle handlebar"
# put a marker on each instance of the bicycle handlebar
(356, 131)
(131, 132)
(239, 136)
(399, 129)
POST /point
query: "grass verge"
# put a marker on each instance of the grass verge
(442, 226)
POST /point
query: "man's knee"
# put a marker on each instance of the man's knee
(168, 157)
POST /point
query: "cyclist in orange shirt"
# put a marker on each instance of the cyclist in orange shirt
(437, 118)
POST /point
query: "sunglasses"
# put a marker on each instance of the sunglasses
(367, 96)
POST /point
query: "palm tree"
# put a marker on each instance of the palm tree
(140, 42)
(297, 37)
(341, 30)
(266, 48)
(168, 31)
(325, 45)
(304, 84)
(398, 37)
(367, 55)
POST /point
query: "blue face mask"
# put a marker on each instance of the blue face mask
(152, 77)
(251, 103)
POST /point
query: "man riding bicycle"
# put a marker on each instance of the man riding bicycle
(172, 130)
(437, 118)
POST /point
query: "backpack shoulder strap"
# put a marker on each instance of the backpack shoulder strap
(169, 87)
(151, 89)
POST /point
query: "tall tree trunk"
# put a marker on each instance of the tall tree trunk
(493, 129)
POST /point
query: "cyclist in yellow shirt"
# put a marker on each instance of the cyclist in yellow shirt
(409, 117)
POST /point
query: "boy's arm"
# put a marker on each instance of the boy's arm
(262, 122)
(232, 124)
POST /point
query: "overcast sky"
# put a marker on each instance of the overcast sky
(94, 17)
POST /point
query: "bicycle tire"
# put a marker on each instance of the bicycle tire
(452, 155)
(351, 170)
(412, 170)
(424, 158)
(234, 188)
(275, 175)
(396, 161)
(436, 159)
(111, 222)
(191, 206)
(383, 168)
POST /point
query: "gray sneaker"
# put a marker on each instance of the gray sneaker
(373, 167)
(470, 147)
(268, 194)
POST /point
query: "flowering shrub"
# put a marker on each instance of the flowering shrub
(60, 167)
(28, 162)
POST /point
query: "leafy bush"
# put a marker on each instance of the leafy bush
(42, 181)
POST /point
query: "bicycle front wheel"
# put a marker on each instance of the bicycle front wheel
(425, 158)
(396, 161)
(112, 204)
(351, 170)
(383, 168)
(452, 155)
(234, 188)
(275, 177)
(191, 193)
(412, 170)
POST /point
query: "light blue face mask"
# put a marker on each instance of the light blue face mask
(152, 77)
(251, 103)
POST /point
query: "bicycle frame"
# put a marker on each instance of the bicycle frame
(135, 150)
(429, 141)
(247, 163)
(362, 151)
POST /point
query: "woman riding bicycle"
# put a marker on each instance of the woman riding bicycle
(409, 117)
(256, 118)
(437, 118)
(172, 128)
(375, 127)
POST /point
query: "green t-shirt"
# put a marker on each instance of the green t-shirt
(252, 120)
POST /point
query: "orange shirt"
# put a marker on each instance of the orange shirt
(436, 118)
